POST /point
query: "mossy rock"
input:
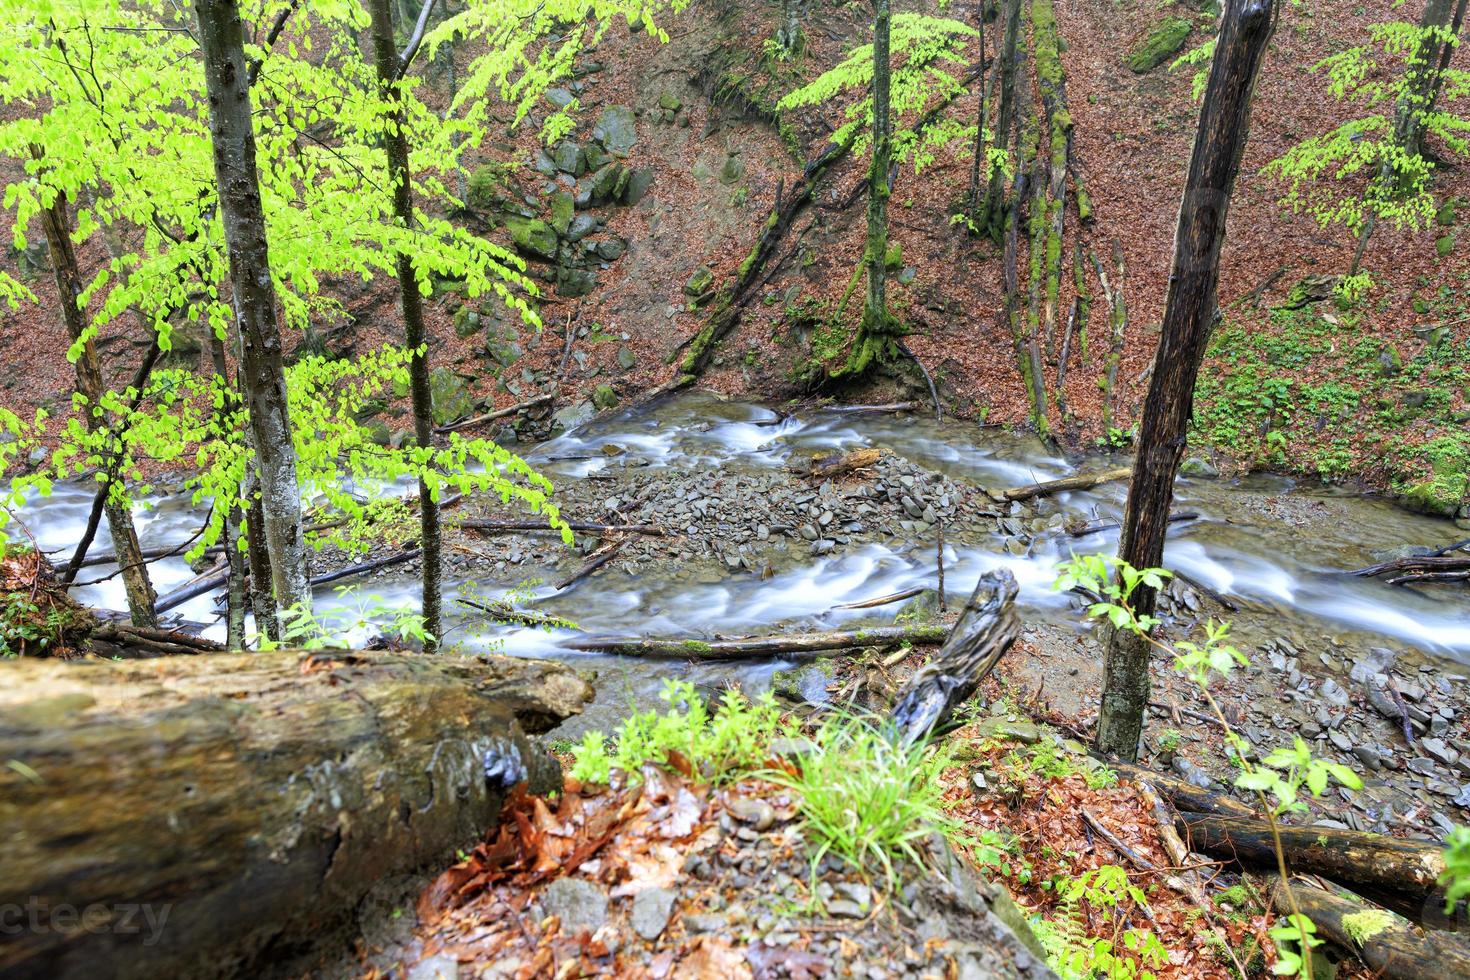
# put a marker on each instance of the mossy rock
(639, 180)
(450, 398)
(699, 284)
(533, 236)
(616, 130)
(806, 684)
(467, 322)
(1390, 362)
(604, 398)
(1161, 44)
(922, 608)
(1444, 245)
(563, 206)
(487, 186)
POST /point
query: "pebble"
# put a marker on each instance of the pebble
(652, 908)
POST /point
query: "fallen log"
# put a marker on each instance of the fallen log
(363, 567)
(882, 600)
(125, 641)
(205, 815)
(487, 526)
(1401, 873)
(1079, 481)
(984, 632)
(1419, 568)
(1108, 524)
(752, 647)
(826, 467)
(1386, 943)
(499, 413)
(604, 554)
(1184, 794)
(200, 584)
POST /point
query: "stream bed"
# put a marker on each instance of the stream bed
(1275, 547)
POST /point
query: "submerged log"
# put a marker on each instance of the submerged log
(753, 647)
(1080, 481)
(984, 632)
(1419, 568)
(1386, 943)
(200, 816)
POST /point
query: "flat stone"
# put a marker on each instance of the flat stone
(652, 908)
(578, 903)
(441, 967)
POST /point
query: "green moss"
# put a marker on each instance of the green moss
(696, 646)
(1363, 926)
(1159, 46)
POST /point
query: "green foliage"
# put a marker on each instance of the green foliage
(1281, 774)
(927, 54)
(26, 629)
(722, 745)
(306, 628)
(868, 797)
(1456, 877)
(1075, 953)
(1325, 174)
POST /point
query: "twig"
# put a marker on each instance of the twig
(600, 557)
(882, 600)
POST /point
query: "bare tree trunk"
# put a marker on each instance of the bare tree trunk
(1189, 316)
(991, 217)
(262, 366)
(262, 603)
(235, 597)
(395, 144)
(982, 113)
(125, 547)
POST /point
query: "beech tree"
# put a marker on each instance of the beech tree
(1190, 313)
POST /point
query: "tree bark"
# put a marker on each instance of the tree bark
(395, 145)
(262, 368)
(745, 648)
(1424, 72)
(1081, 481)
(91, 387)
(987, 627)
(246, 803)
(992, 215)
(1189, 316)
(875, 331)
(1394, 952)
(1382, 865)
(235, 594)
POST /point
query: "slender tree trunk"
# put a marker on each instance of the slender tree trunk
(991, 216)
(1189, 316)
(877, 324)
(262, 603)
(1424, 74)
(235, 597)
(90, 385)
(982, 113)
(396, 146)
(262, 366)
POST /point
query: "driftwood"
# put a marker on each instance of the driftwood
(785, 645)
(1107, 524)
(488, 526)
(984, 632)
(1421, 568)
(604, 554)
(1403, 874)
(1080, 481)
(125, 641)
(499, 413)
(836, 465)
(504, 612)
(1394, 950)
(208, 813)
(882, 600)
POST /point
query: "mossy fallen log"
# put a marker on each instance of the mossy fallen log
(756, 647)
(208, 815)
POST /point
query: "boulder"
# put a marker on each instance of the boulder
(532, 236)
(1161, 44)
(616, 129)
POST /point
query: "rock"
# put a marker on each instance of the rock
(604, 398)
(626, 359)
(1199, 468)
(1194, 774)
(652, 908)
(1007, 730)
(448, 396)
(570, 158)
(578, 903)
(1422, 766)
(670, 102)
(1390, 362)
(441, 967)
(1437, 748)
(611, 249)
(532, 236)
(842, 908)
(582, 226)
(616, 130)
(704, 922)
(1333, 693)
(572, 416)
(806, 684)
(639, 181)
(575, 282)
(732, 171)
(545, 166)
(1159, 46)
(758, 813)
(700, 282)
(922, 608)
(559, 97)
(563, 207)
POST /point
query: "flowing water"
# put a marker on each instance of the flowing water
(1276, 546)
